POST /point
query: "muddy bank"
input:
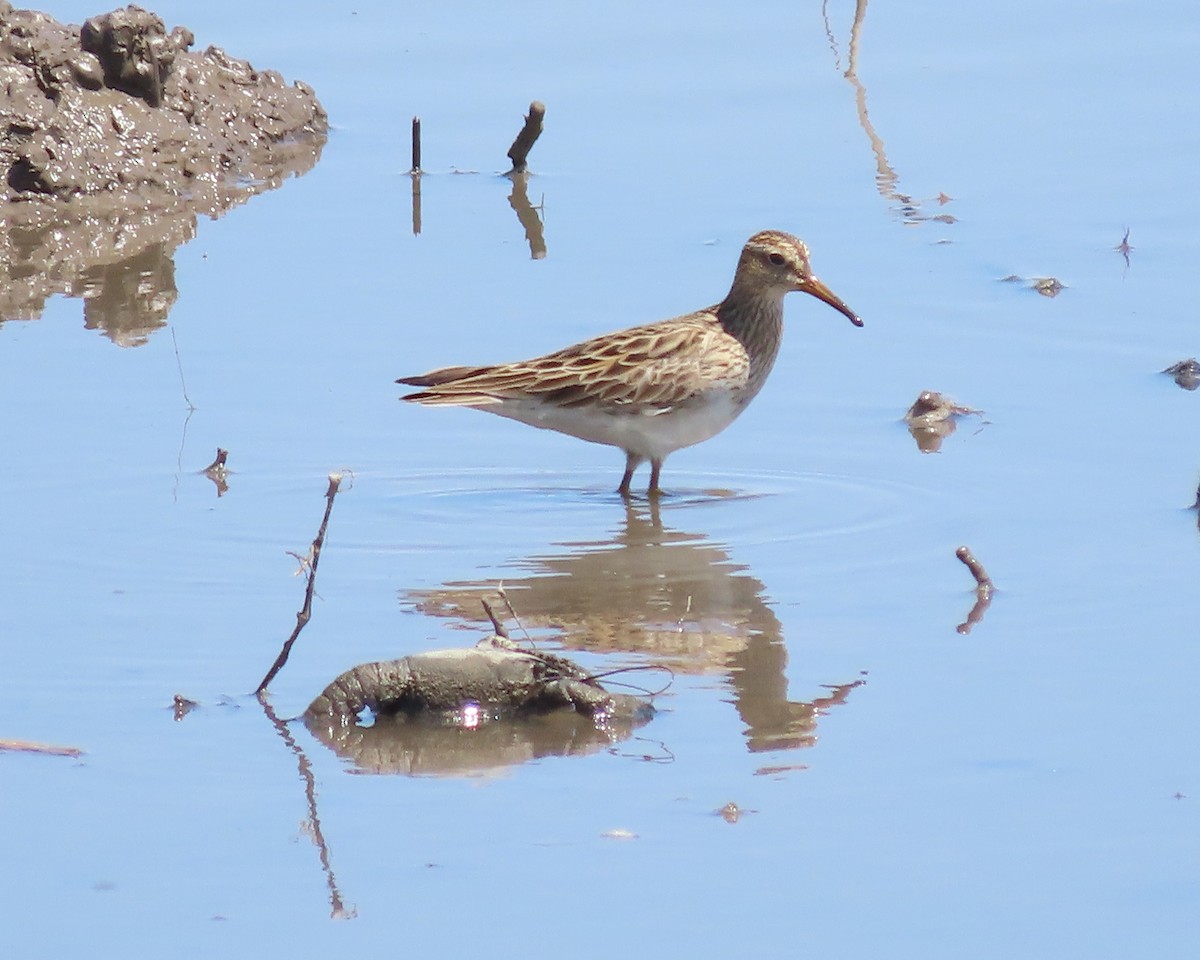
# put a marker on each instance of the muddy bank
(116, 136)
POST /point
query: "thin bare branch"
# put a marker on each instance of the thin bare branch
(305, 613)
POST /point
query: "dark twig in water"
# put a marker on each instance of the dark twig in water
(305, 613)
(664, 752)
(179, 365)
(983, 589)
(28, 746)
(191, 408)
(519, 151)
(416, 147)
(630, 686)
(1124, 247)
(415, 173)
(338, 910)
(981, 575)
(837, 60)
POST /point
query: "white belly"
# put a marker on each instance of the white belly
(647, 433)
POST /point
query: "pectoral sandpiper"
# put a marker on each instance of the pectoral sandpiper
(652, 389)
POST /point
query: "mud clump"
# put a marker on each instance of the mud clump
(495, 676)
(114, 137)
(467, 711)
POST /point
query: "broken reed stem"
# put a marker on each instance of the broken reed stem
(519, 151)
(983, 581)
(416, 146)
(218, 463)
(983, 589)
(305, 612)
(496, 624)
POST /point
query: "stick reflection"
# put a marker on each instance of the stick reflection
(886, 179)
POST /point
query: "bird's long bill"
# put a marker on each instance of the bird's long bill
(822, 292)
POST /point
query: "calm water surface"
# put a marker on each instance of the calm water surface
(1025, 789)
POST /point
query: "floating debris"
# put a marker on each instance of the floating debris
(1186, 373)
(1048, 286)
(732, 813)
(29, 746)
(1124, 247)
(218, 473)
(182, 706)
(931, 419)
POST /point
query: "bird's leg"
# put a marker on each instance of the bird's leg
(632, 462)
(655, 469)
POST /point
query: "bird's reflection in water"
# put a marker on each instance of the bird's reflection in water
(674, 597)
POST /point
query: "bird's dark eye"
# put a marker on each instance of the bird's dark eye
(777, 259)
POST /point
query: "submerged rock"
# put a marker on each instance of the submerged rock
(114, 136)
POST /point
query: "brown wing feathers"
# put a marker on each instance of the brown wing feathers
(657, 364)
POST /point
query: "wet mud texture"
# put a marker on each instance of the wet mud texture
(114, 137)
(466, 711)
(495, 675)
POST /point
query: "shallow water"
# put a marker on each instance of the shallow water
(1028, 788)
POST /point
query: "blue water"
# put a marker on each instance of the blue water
(1028, 789)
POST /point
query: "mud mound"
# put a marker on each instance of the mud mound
(114, 136)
